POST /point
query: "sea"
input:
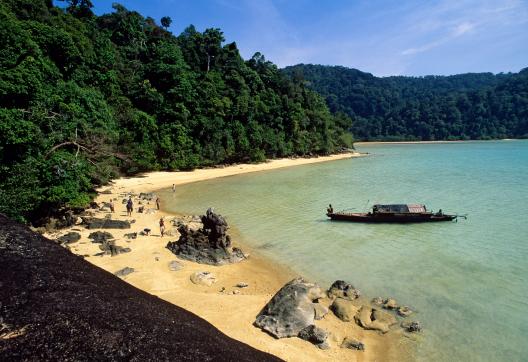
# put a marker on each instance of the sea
(467, 281)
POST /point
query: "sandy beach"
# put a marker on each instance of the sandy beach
(232, 313)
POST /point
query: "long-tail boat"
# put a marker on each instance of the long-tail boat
(395, 213)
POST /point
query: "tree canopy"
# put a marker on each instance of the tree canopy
(458, 107)
(84, 98)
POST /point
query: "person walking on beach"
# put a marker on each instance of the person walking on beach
(173, 188)
(111, 204)
(162, 226)
(158, 203)
(129, 206)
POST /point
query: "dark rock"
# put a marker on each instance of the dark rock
(123, 272)
(342, 289)
(208, 245)
(353, 344)
(412, 327)
(344, 309)
(110, 248)
(65, 308)
(94, 205)
(242, 285)
(106, 192)
(290, 310)
(175, 265)
(131, 235)
(100, 236)
(149, 196)
(69, 238)
(315, 335)
(94, 223)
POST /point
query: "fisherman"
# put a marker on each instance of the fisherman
(162, 226)
(129, 206)
(329, 209)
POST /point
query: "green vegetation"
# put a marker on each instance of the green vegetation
(85, 97)
(465, 106)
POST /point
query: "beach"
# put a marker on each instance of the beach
(230, 309)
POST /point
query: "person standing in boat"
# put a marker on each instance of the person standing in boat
(329, 209)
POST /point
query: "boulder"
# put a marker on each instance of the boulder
(123, 272)
(320, 311)
(342, 289)
(404, 311)
(344, 309)
(171, 232)
(175, 265)
(315, 335)
(95, 223)
(94, 205)
(375, 319)
(412, 327)
(242, 285)
(352, 343)
(378, 301)
(203, 278)
(100, 236)
(109, 248)
(131, 235)
(390, 304)
(69, 238)
(290, 310)
(207, 245)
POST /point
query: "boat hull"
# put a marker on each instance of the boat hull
(390, 218)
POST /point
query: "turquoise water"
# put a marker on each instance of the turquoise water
(468, 281)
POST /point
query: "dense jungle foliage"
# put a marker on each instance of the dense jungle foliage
(465, 106)
(85, 97)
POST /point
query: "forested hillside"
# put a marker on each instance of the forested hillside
(85, 97)
(465, 106)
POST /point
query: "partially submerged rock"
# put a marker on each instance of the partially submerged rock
(412, 327)
(404, 311)
(69, 238)
(390, 304)
(291, 309)
(342, 289)
(344, 309)
(352, 343)
(203, 278)
(125, 271)
(207, 245)
(315, 335)
(375, 319)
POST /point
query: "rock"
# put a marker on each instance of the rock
(124, 201)
(94, 223)
(290, 310)
(370, 318)
(207, 245)
(320, 311)
(175, 265)
(78, 220)
(171, 232)
(131, 235)
(124, 271)
(404, 311)
(94, 205)
(203, 278)
(377, 301)
(104, 209)
(344, 309)
(149, 196)
(242, 285)
(109, 248)
(315, 335)
(390, 304)
(69, 238)
(342, 289)
(412, 327)
(353, 344)
(106, 192)
(150, 211)
(235, 292)
(100, 236)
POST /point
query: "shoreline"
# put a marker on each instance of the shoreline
(233, 314)
(367, 143)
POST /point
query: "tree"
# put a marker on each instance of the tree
(166, 22)
(80, 8)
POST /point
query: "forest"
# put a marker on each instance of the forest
(477, 106)
(85, 98)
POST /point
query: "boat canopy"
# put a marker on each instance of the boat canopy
(400, 208)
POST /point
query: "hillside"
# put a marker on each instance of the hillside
(84, 98)
(464, 106)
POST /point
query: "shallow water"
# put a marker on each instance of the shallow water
(467, 280)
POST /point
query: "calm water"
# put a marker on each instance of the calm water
(467, 280)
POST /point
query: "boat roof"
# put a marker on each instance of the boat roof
(401, 208)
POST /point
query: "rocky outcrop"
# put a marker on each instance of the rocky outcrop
(375, 319)
(344, 309)
(69, 238)
(342, 289)
(62, 307)
(95, 223)
(315, 335)
(291, 309)
(208, 245)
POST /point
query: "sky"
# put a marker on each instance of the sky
(382, 37)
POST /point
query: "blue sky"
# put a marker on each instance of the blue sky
(381, 37)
